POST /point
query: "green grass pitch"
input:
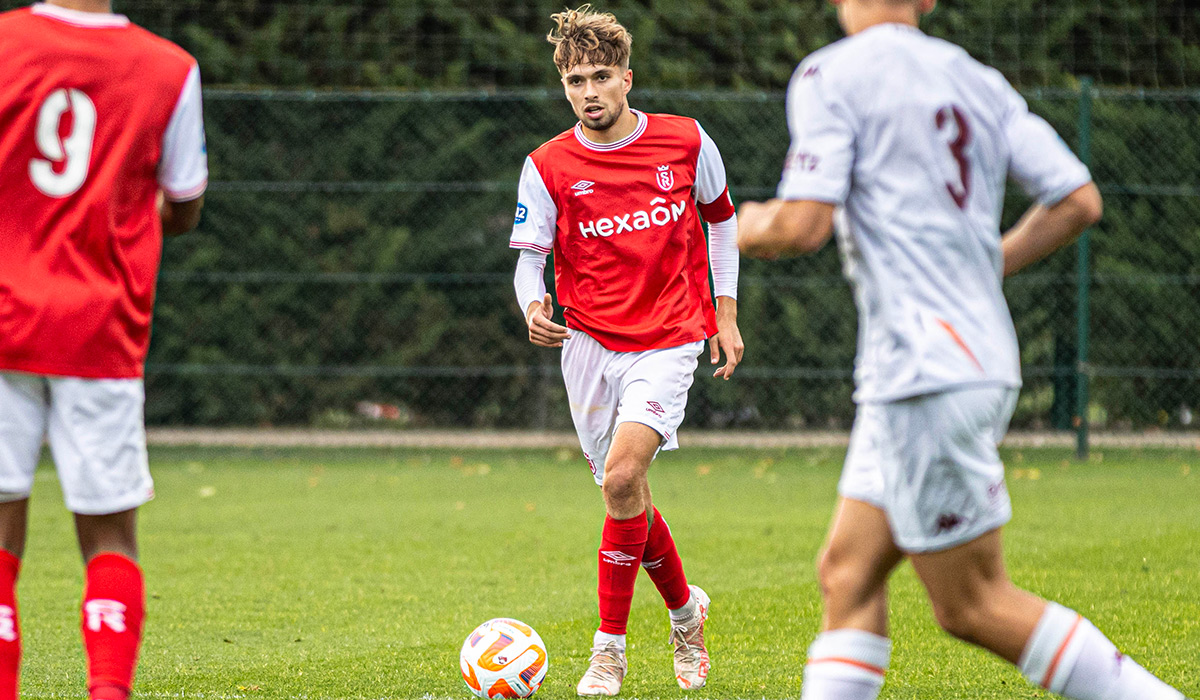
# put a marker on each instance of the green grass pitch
(357, 573)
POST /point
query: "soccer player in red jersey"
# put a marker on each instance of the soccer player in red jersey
(101, 153)
(619, 200)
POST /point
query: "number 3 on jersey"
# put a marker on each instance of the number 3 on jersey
(64, 165)
(950, 118)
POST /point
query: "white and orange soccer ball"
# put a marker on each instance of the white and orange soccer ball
(503, 658)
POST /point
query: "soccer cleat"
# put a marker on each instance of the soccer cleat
(691, 656)
(606, 671)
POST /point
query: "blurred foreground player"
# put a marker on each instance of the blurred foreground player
(619, 200)
(906, 142)
(101, 152)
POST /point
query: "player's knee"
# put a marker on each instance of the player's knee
(621, 485)
(838, 575)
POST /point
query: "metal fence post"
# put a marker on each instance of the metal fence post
(1083, 283)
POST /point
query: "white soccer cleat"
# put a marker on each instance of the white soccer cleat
(606, 671)
(691, 656)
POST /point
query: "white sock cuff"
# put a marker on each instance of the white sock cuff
(850, 654)
(1054, 647)
(602, 638)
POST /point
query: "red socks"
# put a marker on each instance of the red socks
(114, 602)
(622, 544)
(10, 631)
(661, 562)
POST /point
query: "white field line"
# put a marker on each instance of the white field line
(484, 439)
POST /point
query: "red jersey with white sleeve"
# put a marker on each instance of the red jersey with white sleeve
(624, 221)
(99, 115)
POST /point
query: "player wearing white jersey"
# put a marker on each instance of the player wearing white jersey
(903, 144)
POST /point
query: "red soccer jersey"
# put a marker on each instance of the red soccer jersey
(98, 115)
(630, 255)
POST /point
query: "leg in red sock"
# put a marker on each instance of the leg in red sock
(10, 630)
(113, 608)
(661, 561)
(622, 544)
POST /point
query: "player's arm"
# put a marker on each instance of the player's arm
(183, 169)
(816, 175)
(784, 227)
(533, 234)
(179, 217)
(530, 284)
(1067, 200)
(1044, 230)
(716, 208)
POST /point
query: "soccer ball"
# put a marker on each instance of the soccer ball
(503, 658)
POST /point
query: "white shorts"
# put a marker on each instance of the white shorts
(931, 463)
(97, 435)
(607, 388)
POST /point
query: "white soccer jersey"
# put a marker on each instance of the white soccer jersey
(913, 140)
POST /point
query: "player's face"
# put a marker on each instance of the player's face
(597, 93)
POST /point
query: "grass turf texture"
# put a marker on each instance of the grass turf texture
(357, 573)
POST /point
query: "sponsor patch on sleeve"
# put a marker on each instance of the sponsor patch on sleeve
(522, 214)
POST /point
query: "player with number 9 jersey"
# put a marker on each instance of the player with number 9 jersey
(101, 152)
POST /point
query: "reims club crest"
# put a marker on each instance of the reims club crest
(666, 178)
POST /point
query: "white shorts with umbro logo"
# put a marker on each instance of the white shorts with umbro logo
(607, 388)
(97, 435)
(931, 463)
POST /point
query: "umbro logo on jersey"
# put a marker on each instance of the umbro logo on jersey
(618, 558)
(655, 408)
(583, 187)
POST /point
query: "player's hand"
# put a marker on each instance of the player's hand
(542, 331)
(728, 339)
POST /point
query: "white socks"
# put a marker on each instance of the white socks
(845, 664)
(600, 639)
(1069, 656)
(687, 612)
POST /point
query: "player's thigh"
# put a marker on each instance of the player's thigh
(593, 399)
(97, 434)
(24, 405)
(654, 388)
(859, 553)
(946, 486)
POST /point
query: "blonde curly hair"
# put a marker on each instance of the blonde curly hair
(583, 36)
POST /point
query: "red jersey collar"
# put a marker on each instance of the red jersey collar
(80, 19)
(637, 131)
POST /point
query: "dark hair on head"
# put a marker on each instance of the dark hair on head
(583, 36)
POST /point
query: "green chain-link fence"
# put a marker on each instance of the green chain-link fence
(352, 266)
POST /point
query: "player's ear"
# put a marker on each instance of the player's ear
(628, 80)
(927, 6)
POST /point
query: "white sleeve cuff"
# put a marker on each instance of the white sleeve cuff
(723, 256)
(530, 281)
